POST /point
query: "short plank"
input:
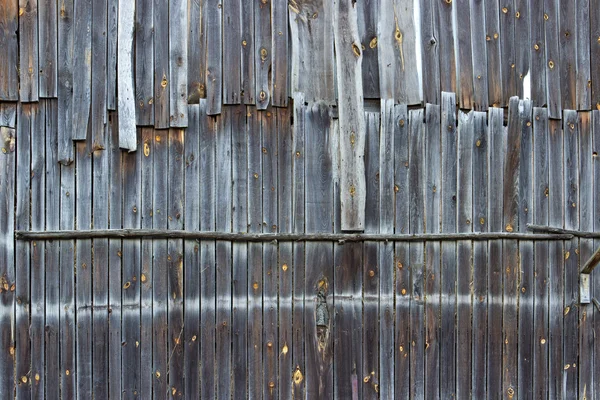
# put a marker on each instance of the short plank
(162, 78)
(385, 43)
(447, 45)
(405, 37)
(262, 52)
(595, 55)
(9, 41)
(126, 85)
(232, 53)
(493, 45)
(247, 48)
(82, 67)
(28, 51)
(552, 59)
(279, 56)
(567, 43)
(214, 51)
(111, 66)
(8, 115)
(368, 15)
(465, 66)
(65, 82)
(98, 90)
(178, 54)
(537, 55)
(430, 52)
(144, 62)
(507, 47)
(479, 48)
(523, 43)
(47, 48)
(196, 41)
(584, 73)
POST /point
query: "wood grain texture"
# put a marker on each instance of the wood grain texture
(47, 48)
(196, 41)
(368, 14)
(9, 41)
(178, 54)
(480, 62)
(247, 42)
(584, 73)
(126, 85)
(214, 53)
(553, 82)
(28, 51)
(65, 82)
(448, 72)
(567, 42)
(162, 77)
(430, 52)
(595, 55)
(262, 53)
(465, 57)
(494, 67)
(144, 63)
(8, 115)
(98, 112)
(82, 67)
(537, 55)
(111, 66)
(523, 25)
(280, 53)
(507, 14)
(232, 54)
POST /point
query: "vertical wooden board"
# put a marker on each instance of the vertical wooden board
(298, 311)
(214, 51)
(480, 223)
(223, 178)
(523, 43)
(507, 49)
(465, 66)
(556, 260)
(82, 67)
(285, 215)
(22, 308)
(595, 54)
(161, 63)
(178, 54)
(9, 41)
(196, 41)
(385, 369)
(52, 307)
(125, 70)
(430, 52)
(319, 289)
(175, 199)
(494, 260)
(232, 53)
(386, 41)
(98, 89)
(537, 55)
(65, 82)
(262, 55)
(479, 44)
(47, 48)
(351, 117)
(131, 292)
(369, 370)
(146, 302)
(402, 274)
(433, 184)
(111, 66)
(571, 209)
(493, 48)
(447, 50)
(552, 60)
(416, 253)
(408, 87)
(540, 216)
(586, 249)
(584, 73)
(596, 179)
(28, 51)
(114, 258)
(311, 26)
(255, 260)
(38, 253)
(8, 115)
(567, 42)
(247, 48)
(368, 15)
(144, 62)
(160, 292)
(279, 59)
(464, 278)
(208, 133)
(510, 248)
(448, 273)
(526, 280)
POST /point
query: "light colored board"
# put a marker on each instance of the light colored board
(214, 52)
(125, 86)
(262, 52)
(111, 66)
(584, 73)
(178, 54)
(448, 72)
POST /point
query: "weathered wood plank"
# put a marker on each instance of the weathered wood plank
(568, 53)
(507, 48)
(111, 67)
(537, 64)
(162, 75)
(480, 146)
(386, 42)
(447, 46)
(595, 55)
(247, 41)
(65, 82)
(214, 51)
(465, 65)
(584, 73)
(279, 56)
(47, 48)
(126, 85)
(262, 52)
(98, 84)
(493, 45)
(232, 53)
(9, 42)
(405, 41)
(8, 115)
(430, 52)
(175, 199)
(178, 54)
(540, 215)
(553, 82)
(351, 116)
(28, 51)
(523, 43)
(22, 310)
(448, 273)
(479, 44)
(196, 41)
(82, 67)
(595, 126)
(311, 25)
(144, 62)
(367, 18)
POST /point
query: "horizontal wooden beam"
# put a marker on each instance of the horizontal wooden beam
(269, 237)
(550, 229)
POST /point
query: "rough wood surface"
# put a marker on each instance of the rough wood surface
(9, 42)
(126, 85)
(47, 48)
(178, 54)
(144, 63)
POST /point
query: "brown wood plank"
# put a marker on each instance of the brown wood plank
(280, 56)
(494, 66)
(196, 40)
(465, 65)
(9, 41)
(47, 48)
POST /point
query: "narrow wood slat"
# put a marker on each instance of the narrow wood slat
(595, 127)
(65, 82)
(8, 115)
(523, 43)
(214, 51)
(247, 40)
(280, 53)
(537, 63)
(595, 55)
(262, 52)
(430, 52)
(232, 54)
(126, 85)
(448, 273)
(162, 76)
(447, 46)
(507, 48)
(178, 54)
(386, 42)
(144, 62)
(479, 47)
(465, 57)
(567, 42)
(494, 66)
(98, 112)
(196, 41)
(583, 46)
(111, 73)
(368, 14)
(9, 41)
(28, 51)
(82, 68)
(47, 48)
(552, 59)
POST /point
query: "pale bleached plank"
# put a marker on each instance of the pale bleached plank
(125, 85)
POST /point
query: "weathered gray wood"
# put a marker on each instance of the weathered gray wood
(553, 83)
(247, 88)
(47, 48)
(280, 53)
(351, 116)
(479, 44)
(8, 115)
(541, 202)
(262, 52)
(162, 78)
(595, 55)
(178, 54)
(98, 90)
(111, 67)
(9, 42)
(595, 126)
(214, 51)
(65, 83)
(144, 62)
(385, 42)
(447, 45)
(465, 59)
(311, 25)
(28, 51)
(232, 53)
(126, 85)
(430, 52)
(82, 67)
(492, 39)
(567, 37)
(537, 63)
(584, 73)
(22, 310)
(552, 229)
(523, 43)
(367, 17)
(507, 47)
(196, 40)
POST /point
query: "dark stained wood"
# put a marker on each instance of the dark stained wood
(584, 73)
(82, 67)
(47, 48)
(178, 54)
(144, 62)
(98, 88)
(430, 52)
(280, 54)
(537, 55)
(9, 42)
(28, 51)
(65, 82)
(553, 82)
(232, 53)
(214, 51)
(247, 48)
(262, 52)
(447, 50)
(196, 41)
(494, 66)
(162, 75)
(479, 44)
(568, 53)
(368, 13)
(465, 64)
